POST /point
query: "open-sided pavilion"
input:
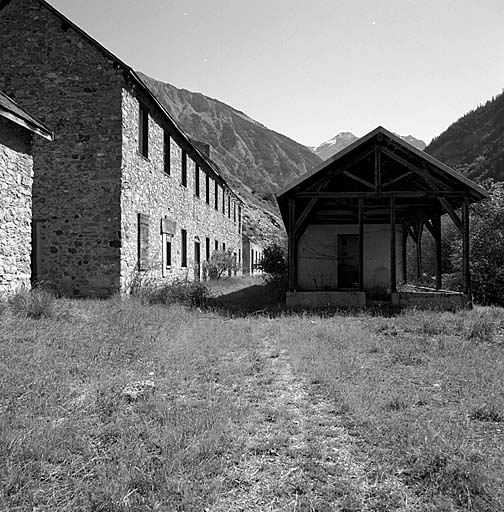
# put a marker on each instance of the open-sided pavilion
(348, 222)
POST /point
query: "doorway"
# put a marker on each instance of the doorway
(197, 261)
(348, 261)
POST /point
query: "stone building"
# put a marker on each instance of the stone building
(17, 128)
(121, 189)
(252, 255)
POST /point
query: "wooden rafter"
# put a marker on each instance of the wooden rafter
(451, 212)
(396, 180)
(397, 193)
(427, 223)
(360, 180)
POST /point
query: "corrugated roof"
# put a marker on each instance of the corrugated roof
(12, 111)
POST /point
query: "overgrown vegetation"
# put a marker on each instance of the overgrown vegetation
(415, 401)
(221, 263)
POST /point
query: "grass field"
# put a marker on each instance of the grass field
(251, 412)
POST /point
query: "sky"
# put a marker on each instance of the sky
(313, 68)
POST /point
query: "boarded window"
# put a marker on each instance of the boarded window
(196, 180)
(166, 153)
(184, 168)
(143, 242)
(143, 131)
(184, 248)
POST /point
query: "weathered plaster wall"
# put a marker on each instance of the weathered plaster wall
(318, 256)
(62, 79)
(16, 170)
(148, 190)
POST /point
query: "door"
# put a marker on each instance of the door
(348, 261)
(197, 261)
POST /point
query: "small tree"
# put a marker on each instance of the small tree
(274, 263)
(220, 263)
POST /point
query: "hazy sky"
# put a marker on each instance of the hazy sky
(313, 68)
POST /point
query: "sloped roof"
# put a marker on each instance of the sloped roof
(333, 160)
(12, 111)
(132, 74)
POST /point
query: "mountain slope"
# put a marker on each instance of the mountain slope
(344, 139)
(474, 144)
(250, 155)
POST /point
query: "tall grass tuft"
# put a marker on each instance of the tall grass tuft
(36, 303)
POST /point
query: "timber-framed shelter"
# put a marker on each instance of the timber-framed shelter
(348, 222)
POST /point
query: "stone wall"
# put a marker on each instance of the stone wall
(148, 190)
(16, 167)
(252, 255)
(61, 78)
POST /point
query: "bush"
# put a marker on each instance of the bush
(179, 291)
(274, 262)
(36, 303)
(220, 263)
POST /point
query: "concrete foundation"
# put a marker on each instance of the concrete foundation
(325, 299)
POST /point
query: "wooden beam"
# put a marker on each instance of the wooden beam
(466, 251)
(451, 212)
(292, 247)
(406, 194)
(393, 269)
(377, 169)
(361, 244)
(414, 168)
(439, 258)
(404, 253)
(360, 180)
(427, 223)
(399, 178)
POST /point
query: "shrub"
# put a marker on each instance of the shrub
(274, 262)
(36, 303)
(181, 291)
(220, 263)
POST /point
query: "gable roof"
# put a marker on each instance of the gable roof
(335, 159)
(137, 81)
(12, 111)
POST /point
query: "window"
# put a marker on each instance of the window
(207, 188)
(143, 242)
(239, 220)
(143, 131)
(167, 252)
(223, 202)
(216, 245)
(166, 153)
(229, 207)
(207, 249)
(224, 246)
(196, 180)
(234, 213)
(216, 196)
(184, 168)
(184, 248)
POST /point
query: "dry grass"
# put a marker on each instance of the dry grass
(297, 412)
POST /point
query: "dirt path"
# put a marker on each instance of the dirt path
(298, 456)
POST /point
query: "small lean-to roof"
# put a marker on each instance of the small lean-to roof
(12, 111)
(133, 75)
(333, 160)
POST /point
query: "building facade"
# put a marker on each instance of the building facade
(252, 256)
(121, 189)
(17, 129)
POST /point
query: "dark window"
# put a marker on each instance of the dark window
(184, 168)
(239, 219)
(223, 202)
(196, 180)
(143, 131)
(168, 252)
(229, 207)
(207, 249)
(216, 188)
(234, 212)
(143, 241)
(167, 155)
(216, 245)
(224, 246)
(184, 248)
(207, 188)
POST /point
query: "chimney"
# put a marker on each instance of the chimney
(203, 147)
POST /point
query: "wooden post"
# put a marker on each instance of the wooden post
(377, 169)
(419, 253)
(404, 248)
(439, 270)
(292, 247)
(361, 244)
(393, 277)
(466, 251)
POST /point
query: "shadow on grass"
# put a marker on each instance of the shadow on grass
(251, 300)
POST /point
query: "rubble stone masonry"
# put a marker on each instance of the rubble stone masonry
(93, 192)
(16, 167)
